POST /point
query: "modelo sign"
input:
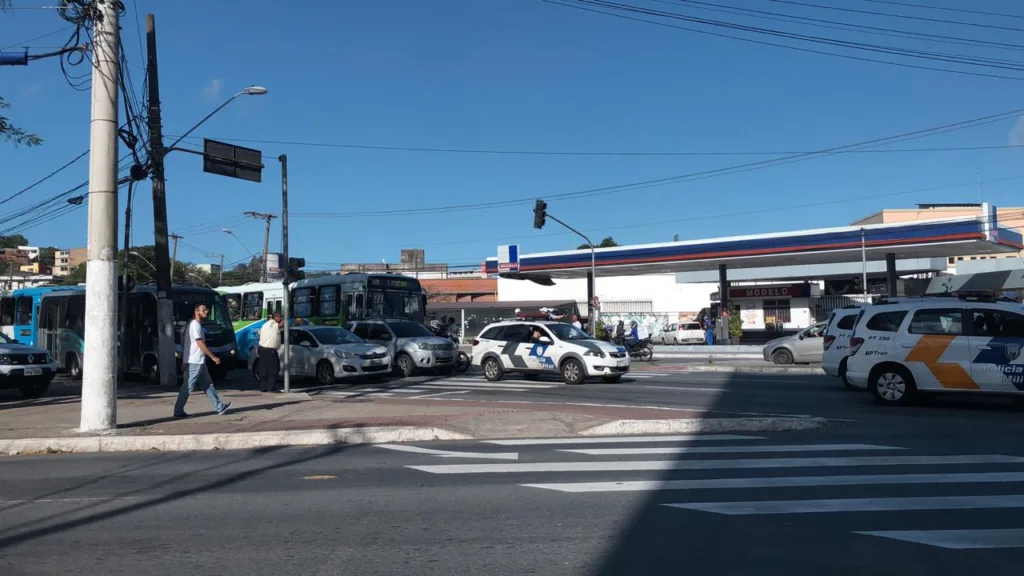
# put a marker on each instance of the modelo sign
(771, 291)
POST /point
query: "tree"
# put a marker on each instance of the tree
(77, 276)
(11, 133)
(13, 241)
(608, 242)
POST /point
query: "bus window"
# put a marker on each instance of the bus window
(6, 311)
(303, 302)
(273, 307)
(350, 312)
(23, 311)
(328, 301)
(360, 309)
(234, 302)
(253, 306)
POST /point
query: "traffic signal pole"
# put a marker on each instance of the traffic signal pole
(287, 304)
(540, 213)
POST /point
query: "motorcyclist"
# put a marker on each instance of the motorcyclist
(451, 330)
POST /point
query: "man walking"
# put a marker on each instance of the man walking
(196, 373)
(270, 363)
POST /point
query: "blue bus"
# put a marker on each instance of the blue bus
(19, 311)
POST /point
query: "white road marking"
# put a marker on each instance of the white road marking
(68, 500)
(746, 463)
(618, 439)
(956, 539)
(469, 387)
(460, 382)
(855, 505)
(782, 482)
(440, 393)
(357, 393)
(729, 449)
(451, 453)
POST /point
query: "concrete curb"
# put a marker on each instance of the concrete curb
(681, 426)
(227, 441)
(748, 369)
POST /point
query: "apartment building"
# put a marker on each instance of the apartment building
(65, 261)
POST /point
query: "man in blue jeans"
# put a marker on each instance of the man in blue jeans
(197, 373)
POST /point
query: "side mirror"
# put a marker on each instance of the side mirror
(544, 340)
(801, 336)
(305, 344)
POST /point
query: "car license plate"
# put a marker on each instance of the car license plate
(374, 363)
(622, 363)
(33, 371)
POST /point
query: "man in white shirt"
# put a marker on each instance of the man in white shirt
(196, 373)
(576, 322)
(270, 363)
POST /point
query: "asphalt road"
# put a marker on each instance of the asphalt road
(712, 505)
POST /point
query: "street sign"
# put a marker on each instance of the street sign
(232, 161)
(508, 258)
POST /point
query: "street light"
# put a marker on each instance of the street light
(200, 278)
(143, 258)
(250, 91)
(237, 239)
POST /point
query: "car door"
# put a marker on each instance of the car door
(301, 344)
(537, 355)
(938, 354)
(996, 338)
(514, 337)
(810, 345)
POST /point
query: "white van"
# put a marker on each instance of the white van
(837, 342)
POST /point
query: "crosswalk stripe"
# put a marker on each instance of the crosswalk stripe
(425, 387)
(854, 505)
(619, 439)
(746, 463)
(462, 382)
(359, 393)
(956, 539)
(782, 482)
(729, 449)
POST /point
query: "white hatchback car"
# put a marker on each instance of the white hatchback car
(906, 349)
(681, 333)
(534, 348)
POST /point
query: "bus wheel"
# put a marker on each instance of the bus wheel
(152, 372)
(74, 366)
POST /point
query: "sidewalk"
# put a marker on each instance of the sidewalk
(258, 420)
(727, 366)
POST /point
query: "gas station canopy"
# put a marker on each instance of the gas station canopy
(929, 239)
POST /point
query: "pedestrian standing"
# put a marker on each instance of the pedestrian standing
(709, 331)
(270, 362)
(197, 373)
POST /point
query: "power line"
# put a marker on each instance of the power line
(946, 9)
(904, 16)
(513, 152)
(575, 6)
(25, 43)
(44, 178)
(686, 177)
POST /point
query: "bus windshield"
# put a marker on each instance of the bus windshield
(184, 310)
(395, 304)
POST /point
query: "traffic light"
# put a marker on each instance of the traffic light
(540, 213)
(293, 272)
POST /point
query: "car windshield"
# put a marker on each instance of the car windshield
(568, 332)
(4, 338)
(185, 301)
(409, 329)
(333, 336)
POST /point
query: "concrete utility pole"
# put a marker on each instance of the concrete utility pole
(287, 303)
(99, 371)
(220, 281)
(164, 305)
(174, 253)
(266, 237)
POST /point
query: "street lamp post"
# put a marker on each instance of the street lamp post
(237, 239)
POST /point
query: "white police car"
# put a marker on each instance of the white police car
(538, 347)
(910, 348)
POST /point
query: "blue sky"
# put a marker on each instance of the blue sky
(510, 75)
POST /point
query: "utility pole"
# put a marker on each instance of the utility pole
(220, 282)
(287, 304)
(99, 371)
(164, 305)
(266, 237)
(174, 253)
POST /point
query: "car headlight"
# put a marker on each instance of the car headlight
(5, 359)
(232, 352)
(424, 346)
(594, 353)
(345, 355)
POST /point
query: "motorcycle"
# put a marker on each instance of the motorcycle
(641, 350)
(462, 360)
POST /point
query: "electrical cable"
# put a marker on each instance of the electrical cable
(943, 8)
(44, 178)
(904, 16)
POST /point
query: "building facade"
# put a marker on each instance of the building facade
(65, 261)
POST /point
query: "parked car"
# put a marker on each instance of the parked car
(837, 342)
(327, 353)
(681, 333)
(27, 368)
(410, 345)
(510, 346)
(804, 347)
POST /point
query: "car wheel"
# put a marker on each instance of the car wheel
(406, 366)
(573, 372)
(325, 373)
(782, 356)
(612, 379)
(493, 369)
(74, 366)
(34, 389)
(893, 386)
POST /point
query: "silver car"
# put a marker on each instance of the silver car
(328, 353)
(27, 368)
(409, 343)
(804, 347)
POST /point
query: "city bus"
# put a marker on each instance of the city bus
(19, 310)
(61, 322)
(249, 306)
(336, 299)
